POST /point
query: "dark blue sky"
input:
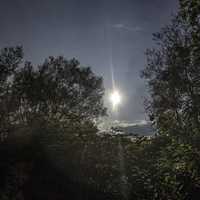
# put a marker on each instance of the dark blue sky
(86, 30)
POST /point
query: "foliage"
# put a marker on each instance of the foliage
(172, 74)
(57, 91)
(50, 148)
(173, 79)
(37, 103)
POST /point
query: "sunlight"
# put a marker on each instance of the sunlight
(115, 98)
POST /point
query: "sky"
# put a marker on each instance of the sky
(94, 32)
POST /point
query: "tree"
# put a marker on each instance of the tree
(59, 90)
(173, 78)
(10, 59)
(40, 108)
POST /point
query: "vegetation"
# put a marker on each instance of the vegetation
(50, 148)
(173, 78)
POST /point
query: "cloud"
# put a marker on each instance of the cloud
(128, 124)
(139, 127)
(106, 123)
(128, 28)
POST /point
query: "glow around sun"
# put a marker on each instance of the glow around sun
(115, 99)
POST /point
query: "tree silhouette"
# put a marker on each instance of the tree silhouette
(58, 91)
(172, 74)
(173, 78)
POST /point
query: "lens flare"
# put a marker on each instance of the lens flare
(115, 98)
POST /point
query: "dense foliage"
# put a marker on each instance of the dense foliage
(58, 90)
(172, 74)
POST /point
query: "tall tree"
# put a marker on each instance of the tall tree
(173, 76)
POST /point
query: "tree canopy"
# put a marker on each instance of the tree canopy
(59, 90)
(172, 74)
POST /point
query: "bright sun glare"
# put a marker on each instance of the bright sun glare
(115, 98)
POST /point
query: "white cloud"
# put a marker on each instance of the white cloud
(128, 28)
(106, 123)
(127, 124)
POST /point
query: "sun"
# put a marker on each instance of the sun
(115, 98)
